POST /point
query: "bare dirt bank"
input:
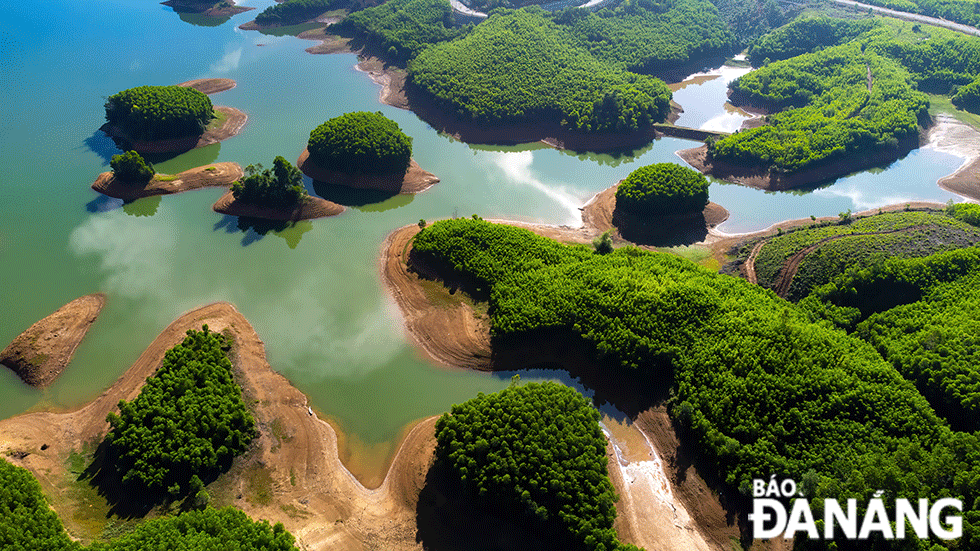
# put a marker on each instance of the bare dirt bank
(309, 209)
(291, 475)
(949, 135)
(232, 124)
(43, 351)
(210, 85)
(213, 175)
(414, 180)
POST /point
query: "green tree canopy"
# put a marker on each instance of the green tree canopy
(361, 142)
(130, 167)
(536, 449)
(663, 188)
(278, 187)
(159, 112)
(188, 420)
(26, 520)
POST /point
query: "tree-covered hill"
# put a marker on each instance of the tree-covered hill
(26, 520)
(761, 389)
(360, 143)
(522, 67)
(536, 451)
(662, 188)
(279, 187)
(401, 29)
(188, 422)
(159, 112)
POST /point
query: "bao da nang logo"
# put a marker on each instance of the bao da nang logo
(770, 517)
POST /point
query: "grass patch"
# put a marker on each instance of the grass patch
(258, 481)
(942, 104)
(164, 177)
(441, 297)
(292, 477)
(278, 429)
(218, 120)
(294, 511)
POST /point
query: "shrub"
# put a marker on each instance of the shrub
(130, 167)
(360, 142)
(159, 112)
(967, 212)
(663, 188)
(280, 186)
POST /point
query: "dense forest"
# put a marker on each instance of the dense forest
(26, 520)
(806, 35)
(159, 112)
(522, 67)
(131, 168)
(760, 387)
(401, 29)
(360, 143)
(966, 12)
(645, 36)
(278, 187)
(839, 101)
(862, 242)
(187, 424)
(537, 451)
(663, 188)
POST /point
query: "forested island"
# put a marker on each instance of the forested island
(275, 193)
(164, 119)
(365, 151)
(133, 178)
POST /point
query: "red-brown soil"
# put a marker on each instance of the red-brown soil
(413, 180)
(310, 208)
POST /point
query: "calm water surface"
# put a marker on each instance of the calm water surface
(312, 291)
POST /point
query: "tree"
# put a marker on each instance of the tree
(361, 143)
(131, 168)
(278, 187)
(663, 188)
(159, 112)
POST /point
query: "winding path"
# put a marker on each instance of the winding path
(959, 27)
(789, 269)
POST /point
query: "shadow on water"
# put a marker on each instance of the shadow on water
(366, 200)
(661, 231)
(254, 229)
(201, 20)
(146, 206)
(103, 203)
(611, 158)
(102, 145)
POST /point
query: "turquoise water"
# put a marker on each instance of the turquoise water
(312, 291)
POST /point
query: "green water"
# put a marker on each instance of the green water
(312, 291)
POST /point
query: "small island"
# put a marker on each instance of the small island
(274, 194)
(133, 178)
(365, 151)
(170, 119)
(43, 351)
(659, 204)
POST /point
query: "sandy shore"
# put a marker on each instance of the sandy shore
(43, 351)
(309, 209)
(213, 175)
(234, 122)
(414, 180)
(291, 474)
(210, 85)
(951, 136)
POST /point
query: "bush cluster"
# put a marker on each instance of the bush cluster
(130, 167)
(189, 420)
(401, 28)
(159, 112)
(663, 188)
(26, 520)
(278, 187)
(360, 143)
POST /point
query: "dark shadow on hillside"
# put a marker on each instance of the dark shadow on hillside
(348, 196)
(661, 231)
(627, 391)
(123, 501)
(102, 145)
(449, 519)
